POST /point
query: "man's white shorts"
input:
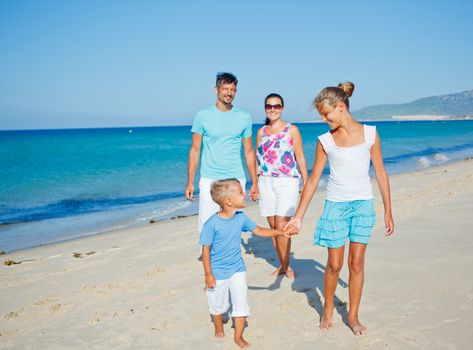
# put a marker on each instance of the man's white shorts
(278, 195)
(207, 207)
(234, 287)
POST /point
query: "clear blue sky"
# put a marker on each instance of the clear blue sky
(67, 64)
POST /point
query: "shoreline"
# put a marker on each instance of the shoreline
(142, 287)
(154, 221)
(447, 118)
(108, 231)
(151, 223)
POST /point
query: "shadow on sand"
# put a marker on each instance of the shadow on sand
(309, 280)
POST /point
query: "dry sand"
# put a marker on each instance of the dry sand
(143, 288)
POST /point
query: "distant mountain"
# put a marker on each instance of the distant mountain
(453, 105)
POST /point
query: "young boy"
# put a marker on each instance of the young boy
(225, 271)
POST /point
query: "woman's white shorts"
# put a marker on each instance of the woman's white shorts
(278, 195)
(234, 288)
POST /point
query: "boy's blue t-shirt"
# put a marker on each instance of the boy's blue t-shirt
(222, 133)
(223, 236)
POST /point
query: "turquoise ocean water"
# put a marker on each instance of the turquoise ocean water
(57, 185)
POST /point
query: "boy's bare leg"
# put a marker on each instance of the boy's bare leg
(356, 264)
(239, 328)
(332, 270)
(280, 269)
(218, 324)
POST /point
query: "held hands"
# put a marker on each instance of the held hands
(294, 225)
(290, 231)
(210, 281)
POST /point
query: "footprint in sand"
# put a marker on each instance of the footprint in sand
(155, 271)
(48, 300)
(413, 338)
(52, 305)
(97, 317)
(12, 315)
(58, 307)
(111, 288)
(169, 293)
(164, 326)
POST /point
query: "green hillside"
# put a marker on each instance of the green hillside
(454, 105)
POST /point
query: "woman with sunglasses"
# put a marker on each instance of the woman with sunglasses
(281, 165)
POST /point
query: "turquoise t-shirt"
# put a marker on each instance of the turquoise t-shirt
(223, 236)
(222, 133)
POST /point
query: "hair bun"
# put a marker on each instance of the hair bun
(348, 87)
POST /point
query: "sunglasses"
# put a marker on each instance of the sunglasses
(276, 107)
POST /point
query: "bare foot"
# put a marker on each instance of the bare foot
(242, 343)
(326, 322)
(219, 334)
(277, 272)
(290, 273)
(356, 326)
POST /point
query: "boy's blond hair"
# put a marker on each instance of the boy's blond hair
(222, 189)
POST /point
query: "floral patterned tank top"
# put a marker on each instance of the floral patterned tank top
(275, 154)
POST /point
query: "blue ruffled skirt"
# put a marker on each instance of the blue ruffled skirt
(342, 220)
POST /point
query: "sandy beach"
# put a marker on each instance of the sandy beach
(143, 288)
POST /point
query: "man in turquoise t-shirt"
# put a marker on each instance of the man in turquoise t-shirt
(221, 129)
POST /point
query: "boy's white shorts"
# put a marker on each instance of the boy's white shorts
(278, 195)
(207, 207)
(235, 288)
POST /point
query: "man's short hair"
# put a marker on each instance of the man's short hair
(222, 189)
(225, 78)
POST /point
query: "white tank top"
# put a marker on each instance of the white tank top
(349, 178)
